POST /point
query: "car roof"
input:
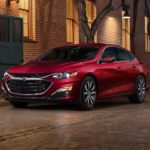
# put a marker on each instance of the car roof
(87, 44)
(94, 44)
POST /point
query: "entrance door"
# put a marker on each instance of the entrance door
(11, 42)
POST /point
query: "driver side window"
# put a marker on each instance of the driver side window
(109, 52)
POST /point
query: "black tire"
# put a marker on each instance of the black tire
(140, 91)
(88, 93)
(18, 104)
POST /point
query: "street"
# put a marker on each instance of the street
(112, 125)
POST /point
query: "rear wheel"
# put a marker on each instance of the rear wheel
(140, 91)
(19, 104)
(87, 94)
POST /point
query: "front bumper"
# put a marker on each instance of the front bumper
(37, 100)
(50, 95)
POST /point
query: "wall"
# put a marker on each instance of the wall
(50, 28)
(109, 30)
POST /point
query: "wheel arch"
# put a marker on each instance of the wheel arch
(142, 74)
(94, 77)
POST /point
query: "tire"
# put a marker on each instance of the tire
(18, 104)
(88, 93)
(140, 91)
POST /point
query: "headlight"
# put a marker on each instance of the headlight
(6, 74)
(64, 75)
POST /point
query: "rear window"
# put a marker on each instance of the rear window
(122, 55)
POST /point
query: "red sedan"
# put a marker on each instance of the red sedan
(78, 73)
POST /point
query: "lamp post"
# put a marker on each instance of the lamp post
(125, 8)
(126, 15)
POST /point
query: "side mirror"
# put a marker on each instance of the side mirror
(108, 59)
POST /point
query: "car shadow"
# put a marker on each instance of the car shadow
(107, 103)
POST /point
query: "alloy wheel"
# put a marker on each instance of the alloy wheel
(141, 88)
(89, 93)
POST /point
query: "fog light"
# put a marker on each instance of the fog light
(62, 92)
(64, 89)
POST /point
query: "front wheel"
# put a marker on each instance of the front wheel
(88, 94)
(140, 91)
(19, 104)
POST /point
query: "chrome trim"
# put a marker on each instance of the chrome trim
(3, 89)
(59, 90)
(29, 79)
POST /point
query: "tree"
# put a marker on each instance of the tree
(90, 32)
(147, 11)
(133, 29)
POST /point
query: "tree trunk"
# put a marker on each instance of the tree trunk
(147, 6)
(90, 39)
(133, 30)
(90, 32)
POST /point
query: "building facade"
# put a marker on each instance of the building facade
(51, 23)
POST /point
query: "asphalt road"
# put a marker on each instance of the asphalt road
(112, 125)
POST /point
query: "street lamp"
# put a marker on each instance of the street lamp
(126, 15)
(125, 8)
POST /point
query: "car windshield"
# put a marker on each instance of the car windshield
(72, 53)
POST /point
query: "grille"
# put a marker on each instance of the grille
(29, 87)
(29, 75)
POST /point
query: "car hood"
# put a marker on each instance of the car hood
(45, 67)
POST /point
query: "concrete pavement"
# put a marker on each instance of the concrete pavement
(112, 125)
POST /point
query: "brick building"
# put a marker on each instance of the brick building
(50, 23)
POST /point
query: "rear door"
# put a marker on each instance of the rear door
(127, 70)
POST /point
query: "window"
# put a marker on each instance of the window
(147, 37)
(4, 29)
(27, 12)
(132, 57)
(109, 52)
(126, 32)
(17, 31)
(122, 55)
(72, 53)
(70, 20)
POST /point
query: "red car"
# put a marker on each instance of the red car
(78, 73)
